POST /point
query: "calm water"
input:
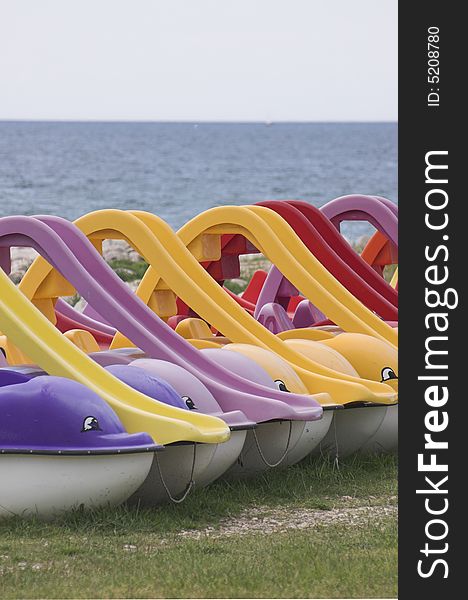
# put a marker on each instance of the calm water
(178, 170)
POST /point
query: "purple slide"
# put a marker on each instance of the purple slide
(374, 209)
(65, 309)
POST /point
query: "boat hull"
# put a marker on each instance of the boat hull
(312, 436)
(49, 485)
(350, 429)
(385, 439)
(175, 466)
(273, 439)
(225, 456)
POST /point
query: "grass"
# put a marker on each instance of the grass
(128, 553)
(129, 270)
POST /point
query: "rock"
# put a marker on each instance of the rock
(119, 250)
(21, 259)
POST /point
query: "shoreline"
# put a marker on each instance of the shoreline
(22, 258)
(130, 266)
(119, 250)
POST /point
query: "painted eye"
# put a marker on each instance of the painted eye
(90, 424)
(388, 373)
(189, 403)
(281, 385)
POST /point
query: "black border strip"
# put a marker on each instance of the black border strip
(426, 127)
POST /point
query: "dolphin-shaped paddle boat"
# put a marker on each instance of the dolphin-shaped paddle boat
(186, 465)
(365, 427)
(258, 448)
(198, 398)
(183, 465)
(352, 427)
(275, 438)
(63, 447)
(376, 360)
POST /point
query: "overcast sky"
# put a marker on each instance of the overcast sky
(200, 60)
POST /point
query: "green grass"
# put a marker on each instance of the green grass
(128, 553)
(235, 285)
(129, 270)
(388, 272)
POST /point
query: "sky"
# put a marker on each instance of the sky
(198, 60)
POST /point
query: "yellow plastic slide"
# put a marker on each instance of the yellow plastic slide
(268, 232)
(164, 251)
(34, 335)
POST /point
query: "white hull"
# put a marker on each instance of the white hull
(224, 457)
(175, 464)
(273, 441)
(386, 437)
(350, 429)
(313, 434)
(47, 486)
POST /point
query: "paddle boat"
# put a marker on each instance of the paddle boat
(373, 428)
(288, 443)
(367, 355)
(170, 425)
(197, 397)
(62, 448)
(173, 474)
(181, 466)
(355, 425)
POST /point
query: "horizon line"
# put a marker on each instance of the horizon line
(202, 121)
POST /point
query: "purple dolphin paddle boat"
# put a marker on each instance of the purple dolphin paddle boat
(202, 400)
(62, 447)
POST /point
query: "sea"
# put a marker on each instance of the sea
(177, 170)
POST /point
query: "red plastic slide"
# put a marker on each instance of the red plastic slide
(332, 261)
(336, 241)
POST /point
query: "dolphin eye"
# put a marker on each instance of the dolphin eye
(189, 403)
(90, 424)
(388, 373)
(281, 385)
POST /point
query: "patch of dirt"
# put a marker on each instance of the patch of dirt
(267, 521)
